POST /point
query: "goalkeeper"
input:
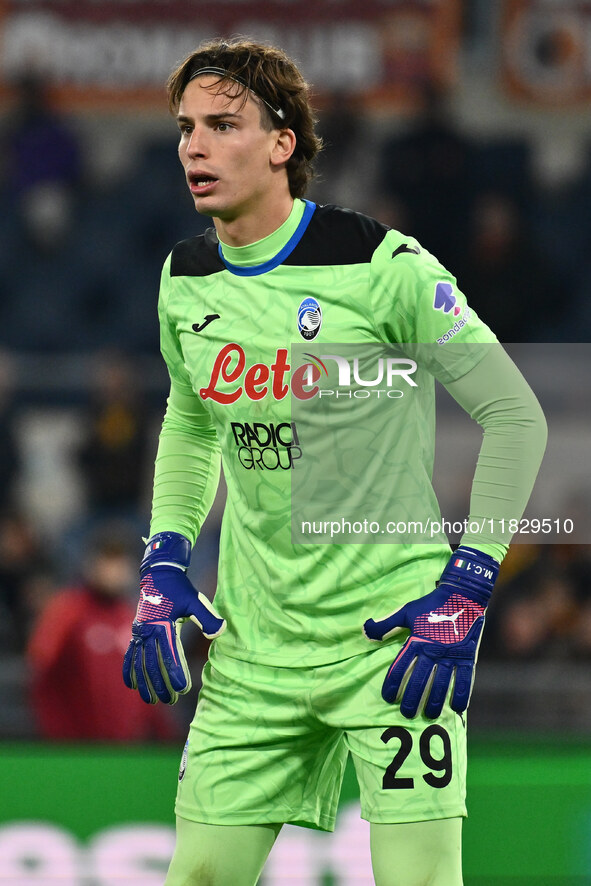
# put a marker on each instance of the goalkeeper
(320, 651)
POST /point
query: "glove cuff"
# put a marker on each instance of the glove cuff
(166, 547)
(472, 571)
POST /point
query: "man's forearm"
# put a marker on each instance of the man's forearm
(497, 396)
(187, 469)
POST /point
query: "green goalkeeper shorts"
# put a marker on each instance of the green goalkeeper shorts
(270, 744)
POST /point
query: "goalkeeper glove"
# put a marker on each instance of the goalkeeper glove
(445, 629)
(155, 663)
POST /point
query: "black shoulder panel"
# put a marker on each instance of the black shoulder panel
(337, 236)
(196, 257)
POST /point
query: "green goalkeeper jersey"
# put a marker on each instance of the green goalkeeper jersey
(264, 344)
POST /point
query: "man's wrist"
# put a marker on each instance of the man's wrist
(472, 571)
(166, 549)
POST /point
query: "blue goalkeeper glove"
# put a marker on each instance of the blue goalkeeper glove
(445, 629)
(155, 663)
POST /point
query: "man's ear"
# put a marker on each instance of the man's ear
(284, 147)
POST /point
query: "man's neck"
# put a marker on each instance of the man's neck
(248, 227)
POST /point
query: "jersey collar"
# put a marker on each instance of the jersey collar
(244, 258)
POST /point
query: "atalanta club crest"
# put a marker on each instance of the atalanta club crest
(309, 318)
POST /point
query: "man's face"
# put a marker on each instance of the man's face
(111, 574)
(226, 154)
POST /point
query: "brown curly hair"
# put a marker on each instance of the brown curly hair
(275, 79)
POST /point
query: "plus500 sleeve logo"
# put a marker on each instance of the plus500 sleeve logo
(230, 377)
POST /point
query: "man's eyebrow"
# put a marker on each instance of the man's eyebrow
(210, 118)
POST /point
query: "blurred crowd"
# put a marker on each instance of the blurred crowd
(69, 585)
(80, 259)
(96, 238)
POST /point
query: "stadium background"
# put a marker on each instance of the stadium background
(464, 123)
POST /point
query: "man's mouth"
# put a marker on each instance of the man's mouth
(201, 183)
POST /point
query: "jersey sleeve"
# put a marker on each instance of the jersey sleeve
(187, 467)
(417, 304)
(497, 396)
(169, 343)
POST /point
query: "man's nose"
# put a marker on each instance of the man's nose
(197, 146)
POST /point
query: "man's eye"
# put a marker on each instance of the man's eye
(223, 127)
(185, 129)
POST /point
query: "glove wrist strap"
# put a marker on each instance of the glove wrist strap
(170, 548)
(472, 571)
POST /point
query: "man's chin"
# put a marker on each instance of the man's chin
(207, 207)
(203, 207)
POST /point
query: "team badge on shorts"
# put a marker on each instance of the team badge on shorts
(309, 318)
(183, 767)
